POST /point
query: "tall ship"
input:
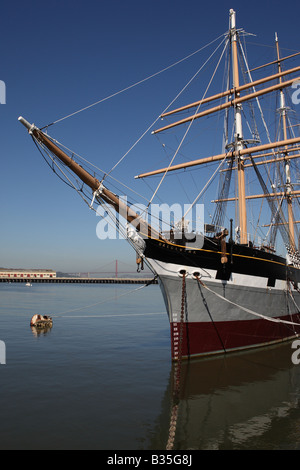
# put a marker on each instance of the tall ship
(225, 289)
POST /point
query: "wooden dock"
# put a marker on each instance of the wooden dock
(83, 280)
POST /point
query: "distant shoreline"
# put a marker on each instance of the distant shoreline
(83, 280)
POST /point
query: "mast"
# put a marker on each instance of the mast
(283, 116)
(238, 136)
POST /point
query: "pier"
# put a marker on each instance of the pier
(83, 280)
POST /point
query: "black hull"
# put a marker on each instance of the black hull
(240, 260)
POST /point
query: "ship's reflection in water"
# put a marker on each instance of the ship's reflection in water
(105, 382)
(241, 401)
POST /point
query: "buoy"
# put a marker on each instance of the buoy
(41, 321)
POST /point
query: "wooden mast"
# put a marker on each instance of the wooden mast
(287, 162)
(238, 137)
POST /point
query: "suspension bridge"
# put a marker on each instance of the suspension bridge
(115, 269)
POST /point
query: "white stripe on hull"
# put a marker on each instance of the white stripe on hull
(173, 270)
(249, 292)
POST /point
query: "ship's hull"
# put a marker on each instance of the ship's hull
(214, 314)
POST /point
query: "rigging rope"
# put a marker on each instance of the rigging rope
(205, 187)
(276, 212)
(274, 320)
(193, 119)
(166, 109)
(88, 163)
(133, 85)
(88, 199)
(118, 315)
(224, 185)
(107, 300)
(114, 223)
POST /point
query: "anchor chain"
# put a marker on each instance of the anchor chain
(177, 370)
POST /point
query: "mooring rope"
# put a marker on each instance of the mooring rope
(117, 315)
(102, 301)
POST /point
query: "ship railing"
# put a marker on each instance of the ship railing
(183, 237)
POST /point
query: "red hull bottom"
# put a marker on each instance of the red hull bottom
(207, 338)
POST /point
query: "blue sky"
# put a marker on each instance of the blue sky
(60, 56)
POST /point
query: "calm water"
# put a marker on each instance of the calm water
(101, 378)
